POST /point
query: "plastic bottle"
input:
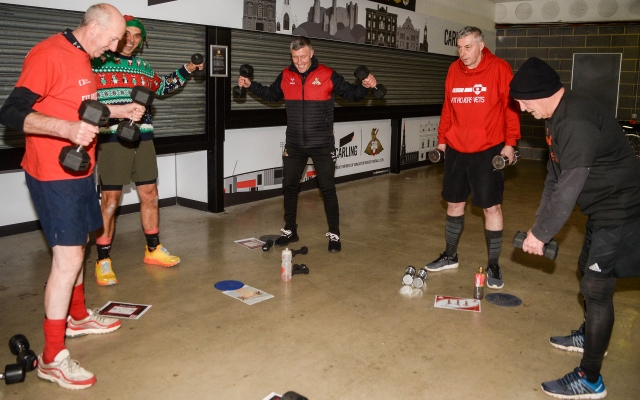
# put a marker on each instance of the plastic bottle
(478, 292)
(285, 269)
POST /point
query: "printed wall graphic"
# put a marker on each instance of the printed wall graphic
(405, 4)
(419, 137)
(154, 2)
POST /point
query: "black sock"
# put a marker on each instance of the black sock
(103, 251)
(494, 244)
(592, 375)
(453, 230)
(153, 240)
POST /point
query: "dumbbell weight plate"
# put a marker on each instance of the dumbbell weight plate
(74, 158)
(127, 131)
(14, 373)
(198, 58)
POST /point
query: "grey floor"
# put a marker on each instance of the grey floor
(346, 330)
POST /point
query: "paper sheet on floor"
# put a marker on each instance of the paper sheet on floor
(273, 396)
(123, 310)
(457, 303)
(248, 294)
(250, 243)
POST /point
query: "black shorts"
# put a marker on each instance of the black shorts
(472, 174)
(611, 251)
(68, 209)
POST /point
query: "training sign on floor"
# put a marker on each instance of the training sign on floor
(457, 303)
(248, 294)
(123, 310)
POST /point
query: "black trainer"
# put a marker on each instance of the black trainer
(334, 242)
(494, 277)
(287, 237)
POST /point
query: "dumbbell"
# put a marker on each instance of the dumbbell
(198, 58)
(302, 251)
(293, 396)
(19, 346)
(435, 156)
(246, 71)
(361, 73)
(409, 274)
(13, 373)
(299, 269)
(500, 161)
(128, 130)
(267, 245)
(550, 249)
(75, 158)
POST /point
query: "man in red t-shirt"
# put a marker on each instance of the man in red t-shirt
(56, 77)
(479, 121)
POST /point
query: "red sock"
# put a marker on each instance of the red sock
(77, 309)
(53, 338)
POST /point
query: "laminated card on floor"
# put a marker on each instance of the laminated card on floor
(123, 310)
(248, 294)
(250, 243)
(457, 303)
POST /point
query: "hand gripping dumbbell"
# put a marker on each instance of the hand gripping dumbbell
(20, 348)
(246, 71)
(293, 396)
(267, 245)
(197, 59)
(435, 156)
(303, 250)
(13, 373)
(500, 161)
(361, 73)
(550, 249)
(299, 269)
(127, 130)
(75, 158)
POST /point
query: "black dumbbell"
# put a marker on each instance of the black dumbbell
(293, 396)
(435, 156)
(267, 245)
(246, 71)
(299, 269)
(361, 73)
(198, 58)
(128, 130)
(550, 249)
(303, 250)
(75, 158)
(13, 373)
(20, 348)
(500, 161)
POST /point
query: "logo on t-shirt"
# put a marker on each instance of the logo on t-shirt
(316, 82)
(595, 268)
(83, 82)
(477, 89)
(293, 81)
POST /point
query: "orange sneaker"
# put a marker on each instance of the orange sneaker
(160, 256)
(104, 273)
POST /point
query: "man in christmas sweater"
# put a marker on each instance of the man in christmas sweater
(479, 121)
(119, 162)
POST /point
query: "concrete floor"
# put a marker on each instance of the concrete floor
(345, 331)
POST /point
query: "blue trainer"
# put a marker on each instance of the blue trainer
(573, 342)
(575, 385)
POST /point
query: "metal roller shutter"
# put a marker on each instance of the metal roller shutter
(170, 45)
(411, 77)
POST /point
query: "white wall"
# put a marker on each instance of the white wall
(566, 11)
(191, 176)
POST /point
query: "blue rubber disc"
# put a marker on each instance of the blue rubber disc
(503, 299)
(228, 285)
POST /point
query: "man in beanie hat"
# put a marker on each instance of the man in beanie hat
(478, 122)
(116, 74)
(591, 164)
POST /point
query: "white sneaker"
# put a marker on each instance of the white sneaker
(65, 372)
(93, 324)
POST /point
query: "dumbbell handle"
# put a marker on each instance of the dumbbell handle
(303, 250)
(500, 161)
(550, 249)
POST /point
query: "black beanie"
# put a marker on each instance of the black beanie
(534, 80)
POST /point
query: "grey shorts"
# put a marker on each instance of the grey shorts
(121, 163)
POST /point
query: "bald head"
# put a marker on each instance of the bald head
(100, 30)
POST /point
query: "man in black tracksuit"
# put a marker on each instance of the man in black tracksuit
(308, 88)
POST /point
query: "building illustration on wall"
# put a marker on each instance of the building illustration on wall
(286, 21)
(259, 15)
(381, 27)
(339, 23)
(407, 37)
(428, 140)
(424, 46)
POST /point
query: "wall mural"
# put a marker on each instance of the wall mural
(396, 25)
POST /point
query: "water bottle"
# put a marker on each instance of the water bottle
(478, 292)
(285, 269)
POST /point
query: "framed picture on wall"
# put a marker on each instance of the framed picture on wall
(218, 62)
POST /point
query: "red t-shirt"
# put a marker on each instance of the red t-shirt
(61, 74)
